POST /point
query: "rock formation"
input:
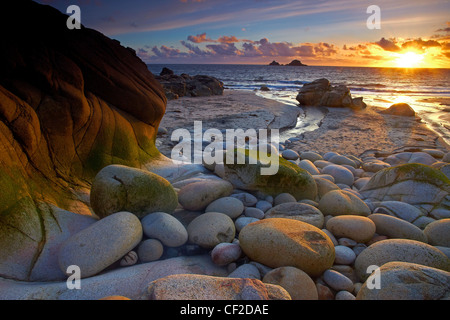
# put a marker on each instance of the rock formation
(321, 93)
(176, 86)
(71, 103)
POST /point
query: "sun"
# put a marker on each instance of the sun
(408, 60)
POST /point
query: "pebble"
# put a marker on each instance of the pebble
(283, 198)
(324, 292)
(337, 281)
(247, 270)
(311, 156)
(309, 166)
(150, 250)
(297, 211)
(225, 253)
(241, 222)
(339, 159)
(210, 229)
(344, 255)
(296, 282)
(230, 206)
(340, 174)
(263, 205)
(131, 258)
(393, 227)
(289, 154)
(247, 199)
(166, 228)
(360, 229)
(342, 202)
(347, 242)
(254, 213)
(438, 233)
(197, 196)
(344, 295)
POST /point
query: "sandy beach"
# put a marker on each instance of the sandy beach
(342, 130)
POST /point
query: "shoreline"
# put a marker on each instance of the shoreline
(359, 133)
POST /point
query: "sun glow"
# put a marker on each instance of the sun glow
(408, 60)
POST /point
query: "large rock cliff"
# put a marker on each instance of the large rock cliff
(71, 102)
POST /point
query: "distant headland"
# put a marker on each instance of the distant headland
(294, 63)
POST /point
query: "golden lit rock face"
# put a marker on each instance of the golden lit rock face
(71, 103)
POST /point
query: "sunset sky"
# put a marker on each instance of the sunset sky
(413, 33)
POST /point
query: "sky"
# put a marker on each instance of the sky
(411, 33)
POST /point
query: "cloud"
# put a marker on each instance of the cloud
(200, 38)
(388, 45)
(420, 44)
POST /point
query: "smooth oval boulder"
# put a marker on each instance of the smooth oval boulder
(119, 188)
(166, 228)
(198, 195)
(438, 233)
(280, 242)
(296, 282)
(231, 206)
(340, 174)
(225, 253)
(210, 229)
(360, 229)
(297, 211)
(407, 281)
(396, 228)
(101, 244)
(412, 251)
(342, 202)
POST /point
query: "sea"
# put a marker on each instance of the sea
(427, 91)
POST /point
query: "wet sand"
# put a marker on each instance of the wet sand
(341, 130)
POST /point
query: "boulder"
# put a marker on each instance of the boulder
(412, 183)
(360, 229)
(68, 108)
(410, 157)
(438, 233)
(342, 202)
(403, 250)
(165, 228)
(231, 206)
(296, 282)
(198, 195)
(210, 229)
(200, 287)
(101, 244)
(340, 174)
(396, 228)
(288, 179)
(321, 93)
(120, 188)
(280, 242)
(297, 211)
(408, 281)
(400, 109)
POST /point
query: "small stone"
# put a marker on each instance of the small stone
(150, 250)
(309, 166)
(438, 233)
(340, 174)
(198, 195)
(166, 228)
(339, 159)
(297, 211)
(347, 242)
(296, 282)
(337, 281)
(344, 255)
(393, 227)
(284, 198)
(341, 202)
(129, 259)
(254, 213)
(344, 295)
(290, 154)
(225, 253)
(263, 205)
(311, 156)
(247, 270)
(210, 229)
(241, 222)
(230, 206)
(360, 229)
(324, 292)
(247, 199)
